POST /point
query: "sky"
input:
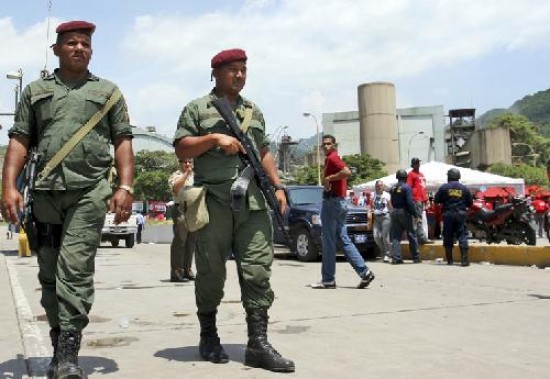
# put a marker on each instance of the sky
(304, 55)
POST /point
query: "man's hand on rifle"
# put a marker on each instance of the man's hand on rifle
(281, 198)
(12, 205)
(230, 145)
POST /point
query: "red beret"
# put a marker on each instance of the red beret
(71, 26)
(227, 56)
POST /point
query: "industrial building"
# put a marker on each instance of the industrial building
(394, 135)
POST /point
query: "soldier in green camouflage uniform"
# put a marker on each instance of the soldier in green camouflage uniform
(203, 135)
(70, 203)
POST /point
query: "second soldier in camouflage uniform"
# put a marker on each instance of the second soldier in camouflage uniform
(202, 134)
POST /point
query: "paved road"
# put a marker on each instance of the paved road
(415, 321)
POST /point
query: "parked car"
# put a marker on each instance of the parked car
(303, 221)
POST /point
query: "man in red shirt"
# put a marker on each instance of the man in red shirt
(333, 220)
(541, 207)
(417, 182)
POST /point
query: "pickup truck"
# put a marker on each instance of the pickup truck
(124, 231)
(303, 221)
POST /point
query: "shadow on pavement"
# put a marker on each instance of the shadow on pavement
(14, 368)
(91, 365)
(10, 253)
(191, 353)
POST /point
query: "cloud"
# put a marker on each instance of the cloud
(304, 55)
(312, 55)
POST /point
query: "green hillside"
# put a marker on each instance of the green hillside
(536, 108)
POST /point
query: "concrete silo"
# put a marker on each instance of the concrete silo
(378, 123)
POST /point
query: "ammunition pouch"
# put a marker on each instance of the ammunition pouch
(192, 202)
(239, 188)
(49, 235)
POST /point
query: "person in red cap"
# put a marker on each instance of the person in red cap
(203, 135)
(70, 200)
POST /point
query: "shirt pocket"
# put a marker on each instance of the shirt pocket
(43, 108)
(95, 102)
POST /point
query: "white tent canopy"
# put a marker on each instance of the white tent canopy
(436, 175)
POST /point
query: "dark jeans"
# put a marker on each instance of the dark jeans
(402, 221)
(454, 226)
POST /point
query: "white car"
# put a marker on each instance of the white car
(124, 231)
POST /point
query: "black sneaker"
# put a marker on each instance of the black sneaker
(397, 261)
(364, 283)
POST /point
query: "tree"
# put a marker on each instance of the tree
(363, 168)
(532, 175)
(151, 171)
(525, 137)
(155, 160)
(152, 185)
(306, 175)
(536, 108)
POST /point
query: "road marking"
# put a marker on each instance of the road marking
(36, 353)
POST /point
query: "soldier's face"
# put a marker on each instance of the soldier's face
(231, 78)
(74, 50)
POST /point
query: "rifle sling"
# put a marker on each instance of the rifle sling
(247, 119)
(77, 137)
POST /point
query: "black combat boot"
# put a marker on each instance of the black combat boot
(54, 336)
(259, 352)
(464, 257)
(209, 345)
(67, 356)
(449, 255)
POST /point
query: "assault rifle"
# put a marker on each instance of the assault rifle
(26, 189)
(250, 159)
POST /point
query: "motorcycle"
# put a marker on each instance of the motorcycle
(512, 222)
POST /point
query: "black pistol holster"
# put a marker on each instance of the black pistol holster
(239, 188)
(48, 235)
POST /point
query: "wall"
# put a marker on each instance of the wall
(489, 146)
(345, 127)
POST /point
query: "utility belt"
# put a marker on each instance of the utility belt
(329, 195)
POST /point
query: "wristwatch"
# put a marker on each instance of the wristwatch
(127, 188)
(279, 186)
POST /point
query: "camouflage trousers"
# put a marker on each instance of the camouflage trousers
(67, 265)
(247, 235)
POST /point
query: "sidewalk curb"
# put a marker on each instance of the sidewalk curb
(511, 255)
(36, 354)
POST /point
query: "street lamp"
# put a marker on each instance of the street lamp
(17, 75)
(409, 147)
(307, 114)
